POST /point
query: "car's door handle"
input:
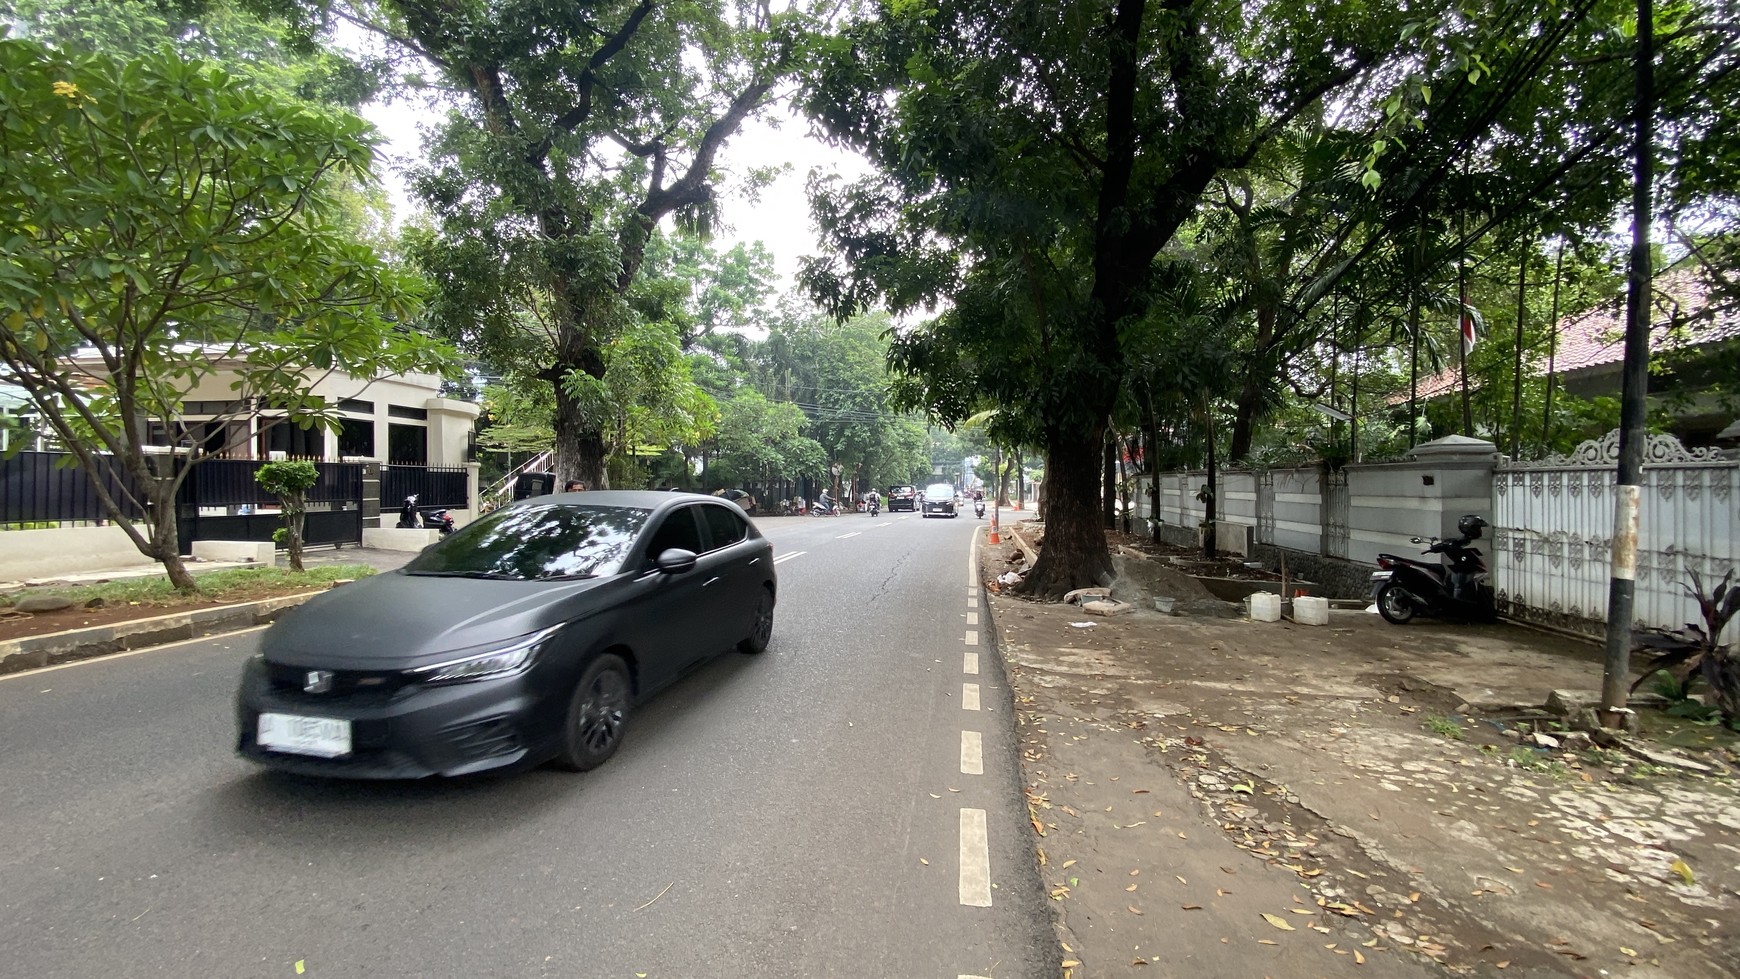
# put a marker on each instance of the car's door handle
(708, 582)
(754, 561)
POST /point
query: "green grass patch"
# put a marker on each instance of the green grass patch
(230, 585)
(1444, 726)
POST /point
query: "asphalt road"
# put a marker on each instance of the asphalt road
(809, 812)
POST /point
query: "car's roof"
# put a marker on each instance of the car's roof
(644, 499)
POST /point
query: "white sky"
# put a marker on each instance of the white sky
(779, 217)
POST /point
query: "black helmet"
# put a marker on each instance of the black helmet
(1470, 526)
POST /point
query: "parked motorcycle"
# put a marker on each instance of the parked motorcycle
(409, 516)
(1453, 587)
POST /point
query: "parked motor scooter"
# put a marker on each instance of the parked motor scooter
(409, 515)
(1454, 587)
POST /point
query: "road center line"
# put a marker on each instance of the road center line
(972, 618)
(975, 859)
(969, 696)
(852, 534)
(972, 603)
(972, 753)
(972, 639)
(788, 557)
(970, 664)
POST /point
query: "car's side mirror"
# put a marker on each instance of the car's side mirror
(675, 560)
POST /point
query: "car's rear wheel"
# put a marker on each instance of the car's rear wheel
(761, 627)
(597, 714)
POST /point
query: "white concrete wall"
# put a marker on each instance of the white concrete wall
(66, 550)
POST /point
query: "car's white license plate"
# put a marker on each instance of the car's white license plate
(323, 737)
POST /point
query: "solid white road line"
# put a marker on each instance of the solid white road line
(788, 557)
(972, 639)
(972, 753)
(110, 657)
(969, 696)
(970, 664)
(852, 534)
(975, 859)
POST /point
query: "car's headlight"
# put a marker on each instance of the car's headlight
(502, 661)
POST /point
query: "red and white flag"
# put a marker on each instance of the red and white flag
(1467, 330)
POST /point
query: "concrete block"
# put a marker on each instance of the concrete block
(399, 539)
(252, 551)
(1235, 538)
(1311, 611)
(1265, 607)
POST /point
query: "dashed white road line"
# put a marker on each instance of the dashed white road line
(787, 557)
(886, 523)
(972, 618)
(972, 753)
(975, 859)
(972, 603)
(969, 696)
(972, 639)
(970, 663)
(852, 534)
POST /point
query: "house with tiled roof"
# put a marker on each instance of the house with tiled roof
(1589, 354)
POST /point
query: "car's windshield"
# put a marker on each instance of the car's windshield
(900, 489)
(939, 491)
(533, 541)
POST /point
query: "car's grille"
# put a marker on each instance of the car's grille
(364, 684)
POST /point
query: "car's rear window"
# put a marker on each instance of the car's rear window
(939, 491)
(531, 541)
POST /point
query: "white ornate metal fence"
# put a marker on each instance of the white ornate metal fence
(1553, 531)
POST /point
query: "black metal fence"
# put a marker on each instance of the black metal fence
(46, 487)
(334, 514)
(434, 486)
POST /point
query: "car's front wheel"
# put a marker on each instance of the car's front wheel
(597, 714)
(761, 627)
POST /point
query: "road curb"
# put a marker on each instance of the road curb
(53, 648)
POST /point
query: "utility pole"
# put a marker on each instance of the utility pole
(1622, 588)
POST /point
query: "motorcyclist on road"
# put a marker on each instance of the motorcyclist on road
(826, 502)
(874, 499)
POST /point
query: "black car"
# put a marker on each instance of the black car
(939, 500)
(902, 497)
(526, 636)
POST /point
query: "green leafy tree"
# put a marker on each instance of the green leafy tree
(574, 131)
(1033, 160)
(171, 224)
(289, 480)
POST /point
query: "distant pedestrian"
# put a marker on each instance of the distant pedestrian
(574, 486)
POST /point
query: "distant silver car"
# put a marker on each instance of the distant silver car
(939, 500)
(526, 636)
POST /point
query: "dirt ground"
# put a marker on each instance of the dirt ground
(1219, 797)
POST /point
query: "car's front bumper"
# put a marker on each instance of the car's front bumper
(411, 732)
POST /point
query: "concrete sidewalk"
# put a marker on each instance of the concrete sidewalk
(1218, 797)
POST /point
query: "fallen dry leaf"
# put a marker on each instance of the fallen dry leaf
(1414, 898)
(1193, 907)
(1628, 951)
(1133, 909)
(1678, 866)
(924, 861)
(1265, 941)
(1069, 963)
(1136, 873)
(1277, 921)
(1358, 958)
(1068, 864)
(1130, 888)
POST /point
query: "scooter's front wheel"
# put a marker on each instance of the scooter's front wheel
(1395, 604)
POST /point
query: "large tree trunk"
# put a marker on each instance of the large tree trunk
(1074, 554)
(1250, 401)
(580, 446)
